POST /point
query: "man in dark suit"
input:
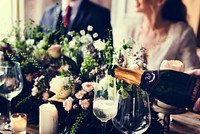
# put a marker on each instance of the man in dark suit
(84, 13)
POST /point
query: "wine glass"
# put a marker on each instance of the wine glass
(105, 100)
(11, 84)
(133, 115)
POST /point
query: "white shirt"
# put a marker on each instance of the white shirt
(75, 7)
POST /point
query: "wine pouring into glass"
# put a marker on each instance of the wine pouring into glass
(11, 84)
(105, 100)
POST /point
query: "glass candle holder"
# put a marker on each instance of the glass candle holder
(18, 123)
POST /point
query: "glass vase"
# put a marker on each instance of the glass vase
(133, 115)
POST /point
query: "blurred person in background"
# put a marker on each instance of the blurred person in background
(81, 13)
(164, 32)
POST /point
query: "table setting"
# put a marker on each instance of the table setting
(56, 86)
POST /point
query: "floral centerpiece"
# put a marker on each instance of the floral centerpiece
(63, 71)
(58, 70)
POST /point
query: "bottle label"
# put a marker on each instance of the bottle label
(148, 79)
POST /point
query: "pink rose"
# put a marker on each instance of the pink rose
(93, 71)
(79, 94)
(84, 103)
(87, 86)
(67, 104)
(55, 51)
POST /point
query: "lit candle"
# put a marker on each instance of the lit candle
(48, 119)
(18, 123)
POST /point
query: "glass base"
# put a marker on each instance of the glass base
(4, 123)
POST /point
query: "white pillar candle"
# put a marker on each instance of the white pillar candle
(48, 119)
(18, 123)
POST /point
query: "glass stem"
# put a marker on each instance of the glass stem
(103, 127)
(9, 110)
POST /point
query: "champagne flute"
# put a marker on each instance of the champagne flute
(105, 100)
(11, 84)
(133, 114)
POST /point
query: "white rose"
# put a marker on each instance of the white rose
(99, 45)
(57, 86)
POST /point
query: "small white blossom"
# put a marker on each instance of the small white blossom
(95, 35)
(34, 91)
(38, 79)
(83, 39)
(82, 32)
(89, 38)
(72, 43)
(71, 33)
(86, 39)
(90, 28)
(41, 44)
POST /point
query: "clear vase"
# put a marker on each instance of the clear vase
(133, 115)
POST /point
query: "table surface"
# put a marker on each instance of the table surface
(185, 123)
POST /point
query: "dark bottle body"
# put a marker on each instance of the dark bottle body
(174, 88)
(171, 87)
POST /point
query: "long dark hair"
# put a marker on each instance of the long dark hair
(174, 10)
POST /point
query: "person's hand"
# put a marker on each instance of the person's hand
(195, 72)
(196, 107)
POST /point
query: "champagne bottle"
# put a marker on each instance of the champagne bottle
(169, 86)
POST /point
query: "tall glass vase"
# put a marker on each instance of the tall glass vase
(133, 115)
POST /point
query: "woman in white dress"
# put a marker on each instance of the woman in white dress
(165, 33)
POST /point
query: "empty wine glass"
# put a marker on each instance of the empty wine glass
(11, 84)
(133, 115)
(105, 100)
